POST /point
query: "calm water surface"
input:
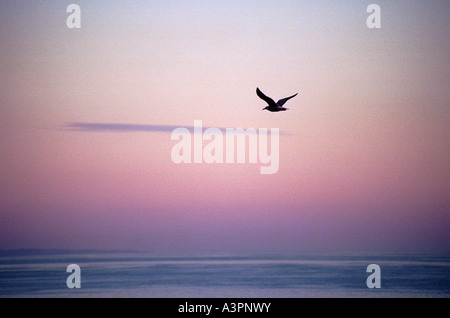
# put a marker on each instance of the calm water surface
(141, 275)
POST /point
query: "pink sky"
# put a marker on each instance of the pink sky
(363, 155)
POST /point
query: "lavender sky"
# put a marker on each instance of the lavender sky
(364, 149)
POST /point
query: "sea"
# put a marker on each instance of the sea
(128, 274)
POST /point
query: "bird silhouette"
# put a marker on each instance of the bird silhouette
(272, 106)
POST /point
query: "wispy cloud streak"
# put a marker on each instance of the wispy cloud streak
(124, 127)
(119, 127)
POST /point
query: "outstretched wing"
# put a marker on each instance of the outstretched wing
(284, 100)
(267, 99)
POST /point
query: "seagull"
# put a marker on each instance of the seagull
(273, 107)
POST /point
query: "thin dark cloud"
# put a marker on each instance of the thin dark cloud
(119, 127)
(123, 127)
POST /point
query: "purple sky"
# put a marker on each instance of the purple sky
(86, 118)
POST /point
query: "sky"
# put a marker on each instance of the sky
(86, 117)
